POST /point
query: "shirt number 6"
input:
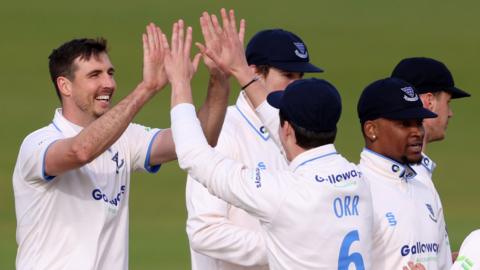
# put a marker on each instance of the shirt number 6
(344, 258)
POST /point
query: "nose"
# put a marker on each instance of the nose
(450, 112)
(109, 82)
(418, 130)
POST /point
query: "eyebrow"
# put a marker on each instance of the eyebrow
(98, 71)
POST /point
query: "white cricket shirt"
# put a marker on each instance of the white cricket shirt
(424, 172)
(79, 219)
(222, 236)
(469, 254)
(315, 215)
(406, 222)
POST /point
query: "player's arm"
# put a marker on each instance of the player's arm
(212, 233)
(71, 153)
(211, 113)
(227, 179)
(209, 228)
(414, 266)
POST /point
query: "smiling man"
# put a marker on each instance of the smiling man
(406, 223)
(72, 177)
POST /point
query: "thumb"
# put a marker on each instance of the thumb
(195, 62)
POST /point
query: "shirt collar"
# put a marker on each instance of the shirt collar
(312, 155)
(428, 163)
(249, 115)
(386, 166)
(66, 127)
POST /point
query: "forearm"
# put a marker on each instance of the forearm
(212, 112)
(102, 133)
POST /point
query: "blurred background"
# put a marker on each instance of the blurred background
(356, 42)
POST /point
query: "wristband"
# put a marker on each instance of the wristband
(256, 78)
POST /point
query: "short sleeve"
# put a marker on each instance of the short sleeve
(31, 158)
(140, 139)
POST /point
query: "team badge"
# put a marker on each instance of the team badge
(410, 94)
(118, 163)
(301, 51)
(432, 214)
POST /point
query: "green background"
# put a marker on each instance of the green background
(355, 41)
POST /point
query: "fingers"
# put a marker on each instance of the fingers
(188, 42)
(174, 40)
(241, 33)
(233, 22)
(226, 22)
(181, 34)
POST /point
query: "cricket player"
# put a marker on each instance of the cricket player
(406, 224)
(436, 87)
(314, 215)
(468, 257)
(221, 235)
(72, 178)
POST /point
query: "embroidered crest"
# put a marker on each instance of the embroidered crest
(118, 163)
(432, 214)
(410, 94)
(301, 51)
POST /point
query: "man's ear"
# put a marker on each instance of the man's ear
(64, 86)
(370, 129)
(428, 100)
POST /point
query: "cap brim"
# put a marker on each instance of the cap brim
(410, 113)
(275, 98)
(304, 67)
(457, 93)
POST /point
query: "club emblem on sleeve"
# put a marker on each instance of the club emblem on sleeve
(410, 94)
(118, 163)
(301, 51)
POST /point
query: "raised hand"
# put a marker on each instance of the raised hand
(223, 45)
(178, 66)
(154, 76)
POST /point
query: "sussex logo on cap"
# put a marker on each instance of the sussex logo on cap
(410, 94)
(301, 51)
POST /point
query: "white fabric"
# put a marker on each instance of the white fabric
(316, 215)
(222, 236)
(79, 219)
(406, 222)
(424, 174)
(469, 254)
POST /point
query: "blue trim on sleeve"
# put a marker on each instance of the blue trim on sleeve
(44, 175)
(315, 158)
(252, 125)
(151, 169)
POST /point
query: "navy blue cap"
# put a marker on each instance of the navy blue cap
(313, 104)
(427, 75)
(280, 49)
(391, 98)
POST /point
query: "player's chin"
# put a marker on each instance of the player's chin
(414, 158)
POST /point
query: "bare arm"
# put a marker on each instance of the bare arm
(93, 140)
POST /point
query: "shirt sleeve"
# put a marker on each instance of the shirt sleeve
(208, 226)
(31, 158)
(469, 254)
(141, 140)
(256, 191)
